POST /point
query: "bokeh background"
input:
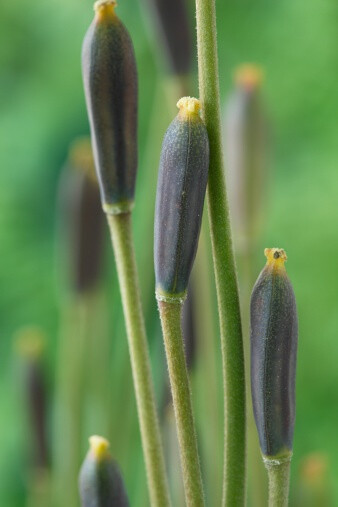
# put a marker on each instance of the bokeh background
(42, 111)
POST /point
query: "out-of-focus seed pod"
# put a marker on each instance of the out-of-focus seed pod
(100, 481)
(314, 487)
(274, 335)
(173, 26)
(110, 83)
(82, 217)
(246, 145)
(30, 343)
(181, 187)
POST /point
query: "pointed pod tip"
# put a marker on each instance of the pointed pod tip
(275, 257)
(189, 106)
(80, 157)
(99, 447)
(104, 8)
(30, 342)
(248, 76)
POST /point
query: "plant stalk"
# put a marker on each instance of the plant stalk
(234, 482)
(68, 415)
(170, 314)
(279, 480)
(120, 226)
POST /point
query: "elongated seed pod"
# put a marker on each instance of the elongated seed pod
(274, 334)
(181, 187)
(173, 25)
(110, 83)
(246, 143)
(30, 343)
(82, 220)
(100, 481)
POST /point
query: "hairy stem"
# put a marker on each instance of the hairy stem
(173, 341)
(279, 480)
(224, 263)
(121, 234)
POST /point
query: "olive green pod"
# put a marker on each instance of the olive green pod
(110, 83)
(181, 187)
(100, 481)
(274, 335)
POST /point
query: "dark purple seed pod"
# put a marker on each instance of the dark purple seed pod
(173, 26)
(100, 481)
(181, 187)
(110, 83)
(30, 343)
(246, 147)
(274, 335)
(82, 218)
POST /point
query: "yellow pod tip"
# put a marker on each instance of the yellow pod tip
(248, 76)
(30, 342)
(188, 106)
(81, 157)
(99, 447)
(275, 257)
(314, 468)
(104, 8)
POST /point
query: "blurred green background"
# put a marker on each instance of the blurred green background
(42, 110)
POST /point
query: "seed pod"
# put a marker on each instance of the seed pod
(246, 143)
(82, 224)
(314, 482)
(173, 25)
(30, 343)
(110, 83)
(100, 481)
(274, 334)
(181, 186)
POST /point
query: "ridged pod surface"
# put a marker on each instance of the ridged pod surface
(100, 481)
(181, 187)
(274, 335)
(110, 83)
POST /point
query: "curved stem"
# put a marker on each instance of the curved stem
(224, 263)
(173, 341)
(121, 234)
(279, 480)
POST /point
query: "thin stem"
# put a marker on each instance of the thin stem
(173, 341)
(279, 480)
(121, 234)
(68, 422)
(224, 263)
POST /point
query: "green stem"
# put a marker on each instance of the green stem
(224, 263)
(121, 234)
(279, 480)
(68, 423)
(173, 341)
